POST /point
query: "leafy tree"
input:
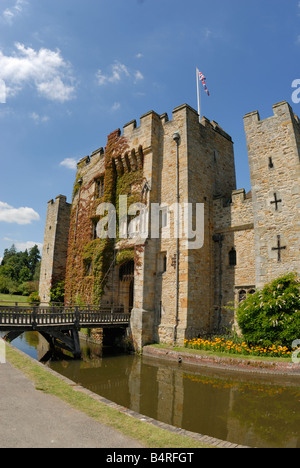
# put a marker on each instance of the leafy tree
(34, 258)
(25, 274)
(19, 268)
(5, 284)
(8, 253)
(272, 315)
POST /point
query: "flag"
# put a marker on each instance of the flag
(202, 79)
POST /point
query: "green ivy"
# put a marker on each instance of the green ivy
(89, 261)
(124, 256)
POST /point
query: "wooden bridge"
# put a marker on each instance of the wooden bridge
(58, 325)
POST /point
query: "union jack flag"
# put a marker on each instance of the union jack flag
(202, 79)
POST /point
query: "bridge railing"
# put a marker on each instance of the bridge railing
(37, 316)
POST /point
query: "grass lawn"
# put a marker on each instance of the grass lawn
(4, 298)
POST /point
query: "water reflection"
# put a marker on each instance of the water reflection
(260, 411)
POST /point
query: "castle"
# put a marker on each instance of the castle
(172, 292)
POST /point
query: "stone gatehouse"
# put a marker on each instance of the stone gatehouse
(174, 292)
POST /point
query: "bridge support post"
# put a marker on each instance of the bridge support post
(68, 340)
(142, 328)
(76, 342)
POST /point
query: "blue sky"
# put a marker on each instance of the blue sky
(72, 71)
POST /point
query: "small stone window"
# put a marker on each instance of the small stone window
(162, 262)
(232, 257)
(99, 192)
(242, 295)
(95, 235)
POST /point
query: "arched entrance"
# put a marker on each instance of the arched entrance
(126, 286)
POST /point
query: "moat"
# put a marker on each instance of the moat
(256, 411)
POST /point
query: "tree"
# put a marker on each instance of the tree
(25, 274)
(34, 258)
(8, 253)
(19, 268)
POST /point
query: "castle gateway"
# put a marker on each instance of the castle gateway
(175, 290)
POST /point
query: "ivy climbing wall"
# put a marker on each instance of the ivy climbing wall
(91, 261)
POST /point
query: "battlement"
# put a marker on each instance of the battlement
(234, 214)
(238, 197)
(150, 123)
(60, 199)
(282, 110)
(131, 129)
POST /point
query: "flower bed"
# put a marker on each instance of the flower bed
(223, 345)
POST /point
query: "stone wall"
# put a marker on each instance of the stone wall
(54, 255)
(234, 222)
(211, 173)
(275, 175)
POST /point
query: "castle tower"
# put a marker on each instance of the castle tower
(54, 256)
(274, 158)
(205, 170)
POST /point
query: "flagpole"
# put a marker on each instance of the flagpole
(198, 94)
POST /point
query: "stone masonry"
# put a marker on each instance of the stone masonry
(249, 238)
(53, 267)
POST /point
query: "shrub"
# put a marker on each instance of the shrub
(272, 316)
(34, 298)
(57, 293)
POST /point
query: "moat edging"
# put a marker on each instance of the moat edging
(226, 363)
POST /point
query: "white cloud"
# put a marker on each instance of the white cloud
(69, 163)
(139, 55)
(23, 215)
(11, 13)
(207, 33)
(45, 69)
(116, 106)
(38, 118)
(119, 72)
(24, 245)
(138, 76)
(56, 90)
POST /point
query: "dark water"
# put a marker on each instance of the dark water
(256, 411)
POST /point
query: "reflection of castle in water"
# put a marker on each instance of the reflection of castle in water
(237, 408)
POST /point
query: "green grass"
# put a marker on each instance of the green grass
(147, 434)
(10, 298)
